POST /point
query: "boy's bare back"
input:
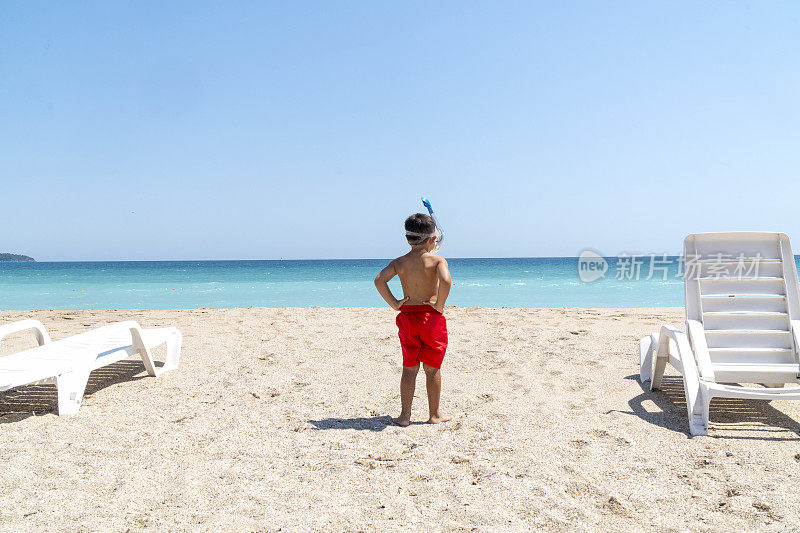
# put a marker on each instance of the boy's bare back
(424, 276)
(418, 271)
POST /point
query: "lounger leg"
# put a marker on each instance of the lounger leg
(174, 343)
(662, 348)
(144, 353)
(647, 346)
(70, 387)
(698, 412)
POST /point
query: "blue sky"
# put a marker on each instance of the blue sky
(197, 130)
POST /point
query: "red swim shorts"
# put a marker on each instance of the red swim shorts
(423, 335)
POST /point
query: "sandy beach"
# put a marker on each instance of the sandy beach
(279, 419)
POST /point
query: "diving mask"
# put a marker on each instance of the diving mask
(438, 232)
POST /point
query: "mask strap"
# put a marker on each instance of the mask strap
(415, 234)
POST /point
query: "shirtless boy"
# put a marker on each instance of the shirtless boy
(422, 327)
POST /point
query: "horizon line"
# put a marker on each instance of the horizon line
(295, 259)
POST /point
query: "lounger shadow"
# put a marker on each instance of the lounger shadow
(33, 400)
(731, 415)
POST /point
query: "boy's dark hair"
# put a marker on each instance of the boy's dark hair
(419, 223)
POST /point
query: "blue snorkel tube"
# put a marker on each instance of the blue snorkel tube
(439, 230)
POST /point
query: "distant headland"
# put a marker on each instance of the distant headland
(16, 258)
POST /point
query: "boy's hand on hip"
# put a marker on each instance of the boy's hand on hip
(400, 303)
(436, 306)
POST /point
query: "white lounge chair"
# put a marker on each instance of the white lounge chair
(742, 326)
(68, 362)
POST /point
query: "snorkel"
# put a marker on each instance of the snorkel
(439, 233)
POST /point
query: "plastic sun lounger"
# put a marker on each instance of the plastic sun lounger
(742, 327)
(68, 362)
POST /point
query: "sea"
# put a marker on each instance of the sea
(477, 282)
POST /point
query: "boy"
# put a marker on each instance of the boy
(422, 327)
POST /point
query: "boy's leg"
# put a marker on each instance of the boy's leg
(407, 384)
(433, 380)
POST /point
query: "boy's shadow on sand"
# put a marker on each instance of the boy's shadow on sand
(729, 417)
(376, 423)
(23, 402)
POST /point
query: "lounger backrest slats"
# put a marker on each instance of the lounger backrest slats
(743, 288)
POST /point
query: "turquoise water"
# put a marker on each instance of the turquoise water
(523, 282)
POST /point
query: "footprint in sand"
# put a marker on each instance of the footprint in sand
(619, 441)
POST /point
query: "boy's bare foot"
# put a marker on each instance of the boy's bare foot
(439, 419)
(402, 422)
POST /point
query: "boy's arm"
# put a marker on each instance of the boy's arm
(382, 284)
(443, 271)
